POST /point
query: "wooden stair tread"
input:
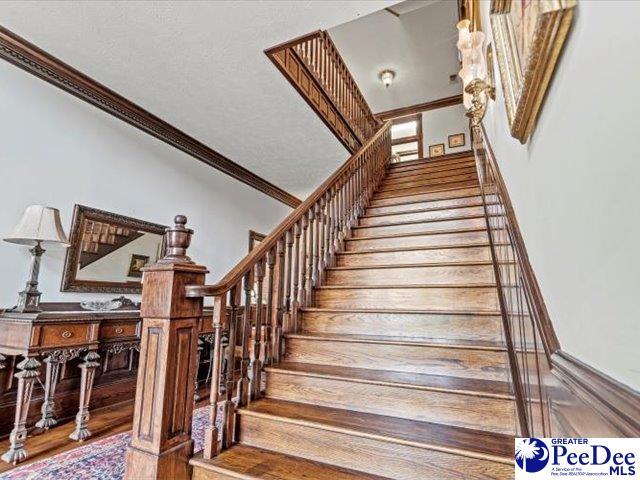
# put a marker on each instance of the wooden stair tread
(400, 310)
(410, 202)
(409, 341)
(407, 286)
(413, 222)
(460, 440)
(411, 265)
(405, 249)
(424, 381)
(423, 210)
(245, 462)
(417, 234)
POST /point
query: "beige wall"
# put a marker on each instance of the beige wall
(57, 150)
(575, 187)
(438, 124)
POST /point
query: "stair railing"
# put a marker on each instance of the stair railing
(280, 273)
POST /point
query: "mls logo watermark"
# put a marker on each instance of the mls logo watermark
(550, 458)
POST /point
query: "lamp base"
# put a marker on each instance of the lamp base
(29, 298)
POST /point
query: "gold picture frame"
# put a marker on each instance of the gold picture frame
(436, 150)
(528, 38)
(456, 140)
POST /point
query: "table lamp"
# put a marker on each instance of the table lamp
(38, 225)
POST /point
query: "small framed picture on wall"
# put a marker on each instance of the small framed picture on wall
(456, 140)
(436, 150)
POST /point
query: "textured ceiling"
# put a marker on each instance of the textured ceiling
(419, 45)
(201, 67)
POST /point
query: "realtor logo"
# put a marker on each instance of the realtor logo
(532, 454)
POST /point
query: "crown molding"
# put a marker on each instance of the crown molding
(419, 107)
(23, 54)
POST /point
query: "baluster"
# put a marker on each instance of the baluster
(256, 366)
(326, 231)
(296, 275)
(268, 353)
(321, 239)
(279, 298)
(302, 299)
(288, 310)
(245, 340)
(229, 413)
(309, 282)
(211, 435)
(316, 245)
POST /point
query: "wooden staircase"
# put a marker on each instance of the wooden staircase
(397, 368)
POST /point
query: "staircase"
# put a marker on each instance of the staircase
(397, 368)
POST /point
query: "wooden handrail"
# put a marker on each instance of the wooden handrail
(248, 262)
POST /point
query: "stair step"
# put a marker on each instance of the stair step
(410, 255)
(445, 194)
(437, 204)
(421, 215)
(440, 273)
(440, 239)
(428, 174)
(459, 358)
(392, 447)
(429, 163)
(399, 323)
(427, 181)
(415, 226)
(250, 463)
(471, 403)
(408, 191)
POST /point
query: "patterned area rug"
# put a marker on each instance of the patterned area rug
(100, 460)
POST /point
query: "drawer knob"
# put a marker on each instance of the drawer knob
(119, 330)
(66, 334)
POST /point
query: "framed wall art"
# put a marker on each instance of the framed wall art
(436, 150)
(456, 140)
(528, 38)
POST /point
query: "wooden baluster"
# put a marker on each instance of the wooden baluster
(161, 443)
(296, 276)
(256, 363)
(302, 299)
(311, 242)
(316, 245)
(288, 309)
(326, 232)
(321, 239)
(211, 433)
(268, 328)
(334, 224)
(279, 299)
(229, 408)
(245, 341)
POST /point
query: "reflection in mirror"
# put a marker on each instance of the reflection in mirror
(108, 251)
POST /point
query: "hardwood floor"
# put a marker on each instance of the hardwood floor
(399, 368)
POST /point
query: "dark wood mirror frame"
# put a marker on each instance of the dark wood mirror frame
(80, 214)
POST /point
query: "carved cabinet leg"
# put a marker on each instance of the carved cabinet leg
(27, 374)
(48, 419)
(88, 367)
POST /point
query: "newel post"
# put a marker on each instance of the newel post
(161, 443)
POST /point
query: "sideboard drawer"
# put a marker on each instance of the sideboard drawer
(62, 335)
(110, 330)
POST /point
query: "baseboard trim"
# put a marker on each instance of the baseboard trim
(617, 403)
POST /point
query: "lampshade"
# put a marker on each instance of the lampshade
(39, 224)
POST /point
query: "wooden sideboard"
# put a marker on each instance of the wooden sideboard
(65, 361)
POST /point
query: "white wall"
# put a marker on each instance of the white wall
(59, 151)
(576, 187)
(438, 124)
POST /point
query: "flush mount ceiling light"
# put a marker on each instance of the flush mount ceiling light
(387, 76)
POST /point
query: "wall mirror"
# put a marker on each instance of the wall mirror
(108, 250)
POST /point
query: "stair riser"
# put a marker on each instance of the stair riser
(424, 182)
(444, 326)
(435, 360)
(404, 192)
(405, 257)
(450, 408)
(371, 455)
(438, 204)
(438, 225)
(203, 474)
(448, 275)
(412, 176)
(441, 239)
(426, 197)
(429, 165)
(422, 216)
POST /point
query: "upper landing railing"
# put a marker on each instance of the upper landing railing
(316, 69)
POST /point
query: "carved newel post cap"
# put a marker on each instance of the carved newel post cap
(178, 239)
